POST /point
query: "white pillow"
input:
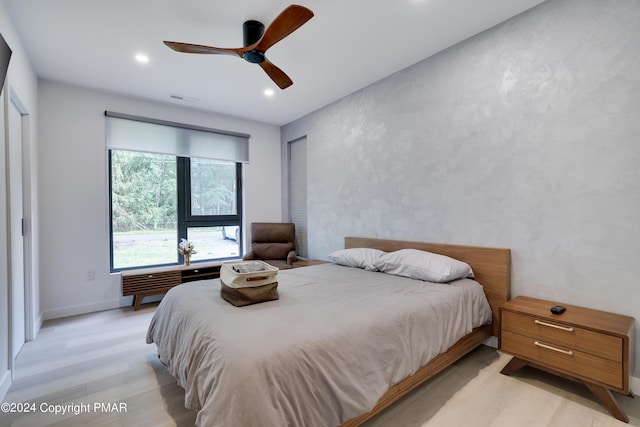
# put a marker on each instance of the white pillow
(423, 265)
(356, 257)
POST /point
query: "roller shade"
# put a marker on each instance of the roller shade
(125, 132)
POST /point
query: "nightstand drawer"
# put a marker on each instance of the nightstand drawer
(564, 359)
(572, 337)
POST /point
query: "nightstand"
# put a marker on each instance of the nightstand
(589, 346)
(307, 263)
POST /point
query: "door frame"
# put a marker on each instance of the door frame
(15, 101)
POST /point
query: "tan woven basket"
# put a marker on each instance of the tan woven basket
(233, 278)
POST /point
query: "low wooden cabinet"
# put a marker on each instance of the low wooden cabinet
(590, 346)
(156, 281)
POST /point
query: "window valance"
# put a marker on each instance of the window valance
(127, 132)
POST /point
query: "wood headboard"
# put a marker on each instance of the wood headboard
(491, 266)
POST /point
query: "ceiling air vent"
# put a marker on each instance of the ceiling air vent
(183, 98)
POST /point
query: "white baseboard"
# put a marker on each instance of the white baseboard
(5, 383)
(91, 308)
(81, 309)
(491, 342)
(37, 325)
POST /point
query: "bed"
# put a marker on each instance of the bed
(340, 345)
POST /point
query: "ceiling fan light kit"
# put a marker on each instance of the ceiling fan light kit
(257, 40)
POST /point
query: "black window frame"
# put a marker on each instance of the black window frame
(185, 219)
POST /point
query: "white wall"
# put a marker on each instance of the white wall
(21, 79)
(74, 183)
(524, 136)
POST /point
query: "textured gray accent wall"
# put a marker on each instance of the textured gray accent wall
(525, 136)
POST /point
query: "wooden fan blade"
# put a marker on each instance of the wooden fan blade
(277, 75)
(289, 20)
(198, 48)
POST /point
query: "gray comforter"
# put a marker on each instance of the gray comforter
(326, 351)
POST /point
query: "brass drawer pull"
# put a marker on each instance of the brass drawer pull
(551, 325)
(548, 347)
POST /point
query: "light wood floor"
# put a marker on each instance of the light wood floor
(102, 358)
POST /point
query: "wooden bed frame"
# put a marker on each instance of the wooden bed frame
(492, 269)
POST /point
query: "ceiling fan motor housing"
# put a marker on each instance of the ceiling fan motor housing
(252, 31)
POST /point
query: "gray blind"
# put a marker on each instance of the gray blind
(125, 132)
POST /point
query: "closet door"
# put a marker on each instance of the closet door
(298, 192)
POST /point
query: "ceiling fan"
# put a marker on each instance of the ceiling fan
(257, 41)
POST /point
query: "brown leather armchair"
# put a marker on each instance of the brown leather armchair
(273, 243)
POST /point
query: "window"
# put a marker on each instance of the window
(158, 198)
(144, 206)
(211, 206)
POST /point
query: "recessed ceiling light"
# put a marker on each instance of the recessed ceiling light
(269, 92)
(142, 58)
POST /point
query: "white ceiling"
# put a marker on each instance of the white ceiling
(346, 46)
